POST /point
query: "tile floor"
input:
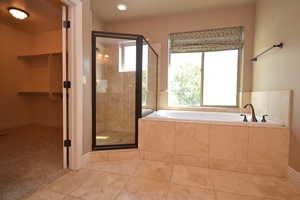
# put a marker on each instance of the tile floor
(30, 156)
(150, 180)
(114, 137)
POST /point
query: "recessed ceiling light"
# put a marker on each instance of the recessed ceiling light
(122, 7)
(18, 13)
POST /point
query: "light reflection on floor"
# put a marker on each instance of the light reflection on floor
(114, 137)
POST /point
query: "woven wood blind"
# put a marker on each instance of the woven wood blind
(207, 40)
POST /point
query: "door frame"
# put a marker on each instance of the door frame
(64, 90)
(75, 74)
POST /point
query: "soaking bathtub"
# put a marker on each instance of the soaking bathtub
(211, 118)
(215, 140)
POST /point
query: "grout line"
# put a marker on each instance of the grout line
(215, 194)
(248, 148)
(130, 176)
(123, 189)
(250, 195)
(208, 156)
(210, 176)
(168, 191)
(172, 174)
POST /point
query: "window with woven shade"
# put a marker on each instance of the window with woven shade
(204, 67)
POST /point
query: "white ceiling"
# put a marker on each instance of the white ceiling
(106, 9)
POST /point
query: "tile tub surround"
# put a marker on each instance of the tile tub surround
(247, 149)
(144, 180)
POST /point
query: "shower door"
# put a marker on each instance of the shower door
(117, 75)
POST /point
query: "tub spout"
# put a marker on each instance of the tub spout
(254, 119)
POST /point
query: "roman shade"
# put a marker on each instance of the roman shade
(207, 40)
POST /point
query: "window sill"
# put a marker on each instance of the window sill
(206, 109)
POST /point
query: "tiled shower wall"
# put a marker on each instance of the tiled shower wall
(115, 107)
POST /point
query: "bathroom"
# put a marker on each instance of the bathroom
(182, 100)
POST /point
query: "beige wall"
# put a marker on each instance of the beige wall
(50, 41)
(14, 110)
(89, 23)
(277, 21)
(46, 110)
(14, 77)
(157, 30)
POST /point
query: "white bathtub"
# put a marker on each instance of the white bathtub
(211, 118)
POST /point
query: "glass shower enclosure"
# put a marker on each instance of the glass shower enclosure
(124, 73)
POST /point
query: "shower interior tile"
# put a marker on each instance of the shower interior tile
(114, 137)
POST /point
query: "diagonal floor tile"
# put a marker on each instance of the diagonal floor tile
(126, 167)
(191, 176)
(101, 186)
(231, 196)
(178, 192)
(154, 170)
(252, 185)
(69, 182)
(46, 195)
(144, 189)
(231, 182)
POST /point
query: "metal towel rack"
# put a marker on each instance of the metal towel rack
(280, 45)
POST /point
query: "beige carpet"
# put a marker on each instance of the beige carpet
(30, 156)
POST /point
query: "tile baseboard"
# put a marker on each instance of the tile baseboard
(294, 177)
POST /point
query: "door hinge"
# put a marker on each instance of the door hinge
(67, 24)
(67, 143)
(67, 84)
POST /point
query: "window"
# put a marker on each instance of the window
(185, 79)
(127, 63)
(204, 68)
(127, 57)
(220, 78)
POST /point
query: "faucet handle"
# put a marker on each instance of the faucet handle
(245, 118)
(264, 118)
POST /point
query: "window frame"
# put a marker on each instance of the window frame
(202, 83)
